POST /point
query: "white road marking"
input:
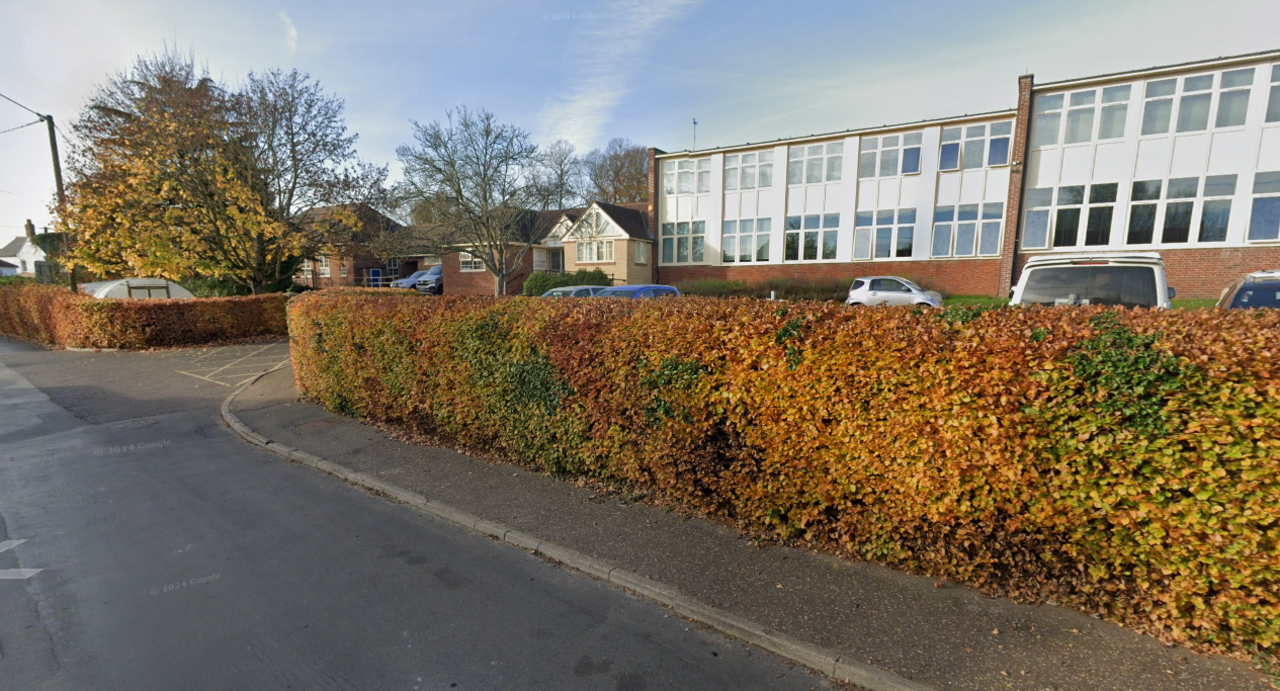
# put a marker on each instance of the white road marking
(15, 574)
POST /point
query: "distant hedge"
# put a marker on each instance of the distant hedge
(54, 316)
(540, 282)
(1126, 463)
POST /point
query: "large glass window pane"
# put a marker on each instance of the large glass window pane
(941, 240)
(1042, 196)
(1164, 87)
(862, 243)
(1046, 129)
(668, 166)
(685, 185)
(729, 228)
(699, 227)
(1213, 220)
(747, 227)
(668, 229)
(1235, 78)
(1156, 115)
(704, 181)
(1177, 222)
(762, 246)
(1142, 224)
(888, 162)
(682, 228)
(682, 249)
(1219, 185)
(1099, 229)
(1035, 230)
(968, 212)
(906, 216)
(793, 223)
(949, 157)
(829, 242)
(1203, 82)
(668, 245)
(669, 182)
(745, 249)
(1266, 183)
(989, 241)
(1103, 193)
(867, 165)
(884, 242)
(973, 152)
(911, 160)
(1071, 194)
(730, 249)
(1183, 188)
(791, 247)
(952, 134)
(1079, 125)
(812, 221)
(814, 150)
(730, 179)
(813, 170)
(1232, 108)
(905, 244)
(1144, 190)
(1066, 228)
(966, 236)
(834, 167)
(766, 175)
(699, 245)
(835, 148)
(795, 172)
(869, 144)
(749, 178)
(1111, 123)
(832, 220)
(1193, 113)
(1047, 103)
(1083, 98)
(1116, 94)
(1273, 105)
(1264, 224)
(810, 245)
(999, 152)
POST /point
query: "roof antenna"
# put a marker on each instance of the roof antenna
(695, 135)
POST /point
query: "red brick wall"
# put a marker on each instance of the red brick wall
(1013, 201)
(1203, 273)
(950, 277)
(458, 282)
(655, 185)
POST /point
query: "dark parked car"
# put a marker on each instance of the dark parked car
(1258, 289)
(432, 283)
(639, 292)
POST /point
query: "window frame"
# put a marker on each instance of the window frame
(470, 263)
(832, 152)
(822, 230)
(692, 232)
(873, 149)
(961, 137)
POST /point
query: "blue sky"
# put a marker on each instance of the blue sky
(588, 71)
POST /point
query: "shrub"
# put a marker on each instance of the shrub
(540, 282)
(1124, 462)
(54, 316)
(781, 288)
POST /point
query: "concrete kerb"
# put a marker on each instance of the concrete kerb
(828, 662)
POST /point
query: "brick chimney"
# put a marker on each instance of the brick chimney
(31, 229)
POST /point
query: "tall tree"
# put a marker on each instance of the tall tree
(173, 174)
(560, 173)
(618, 174)
(484, 178)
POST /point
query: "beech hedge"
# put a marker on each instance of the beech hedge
(1126, 463)
(54, 316)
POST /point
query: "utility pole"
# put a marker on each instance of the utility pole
(57, 179)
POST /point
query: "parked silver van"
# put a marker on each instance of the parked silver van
(1129, 280)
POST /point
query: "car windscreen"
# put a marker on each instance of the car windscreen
(1257, 295)
(1128, 286)
(434, 271)
(617, 293)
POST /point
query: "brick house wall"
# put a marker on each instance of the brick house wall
(459, 282)
(1013, 200)
(623, 268)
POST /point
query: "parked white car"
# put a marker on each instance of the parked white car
(1129, 280)
(890, 290)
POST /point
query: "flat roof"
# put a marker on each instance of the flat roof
(828, 135)
(1178, 67)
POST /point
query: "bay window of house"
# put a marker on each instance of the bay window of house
(890, 155)
(884, 234)
(1264, 223)
(805, 238)
(746, 240)
(813, 163)
(748, 171)
(469, 262)
(975, 146)
(1273, 102)
(595, 251)
(683, 242)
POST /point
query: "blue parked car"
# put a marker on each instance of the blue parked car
(639, 292)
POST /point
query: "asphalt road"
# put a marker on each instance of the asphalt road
(171, 555)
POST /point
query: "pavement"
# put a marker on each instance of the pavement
(936, 635)
(144, 545)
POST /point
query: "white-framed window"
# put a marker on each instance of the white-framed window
(469, 262)
(813, 163)
(686, 177)
(748, 171)
(342, 268)
(22, 266)
(642, 253)
(975, 146)
(1273, 102)
(1058, 221)
(539, 259)
(594, 251)
(1194, 98)
(890, 155)
(323, 263)
(1233, 98)
(1089, 114)
(684, 242)
(808, 238)
(393, 268)
(1264, 223)
(746, 240)
(307, 266)
(887, 234)
(967, 230)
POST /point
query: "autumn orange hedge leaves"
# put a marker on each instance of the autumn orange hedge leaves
(1124, 463)
(54, 316)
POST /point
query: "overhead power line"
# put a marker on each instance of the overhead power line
(39, 115)
(14, 129)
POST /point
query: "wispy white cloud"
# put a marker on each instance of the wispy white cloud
(604, 59)
(290, 32)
